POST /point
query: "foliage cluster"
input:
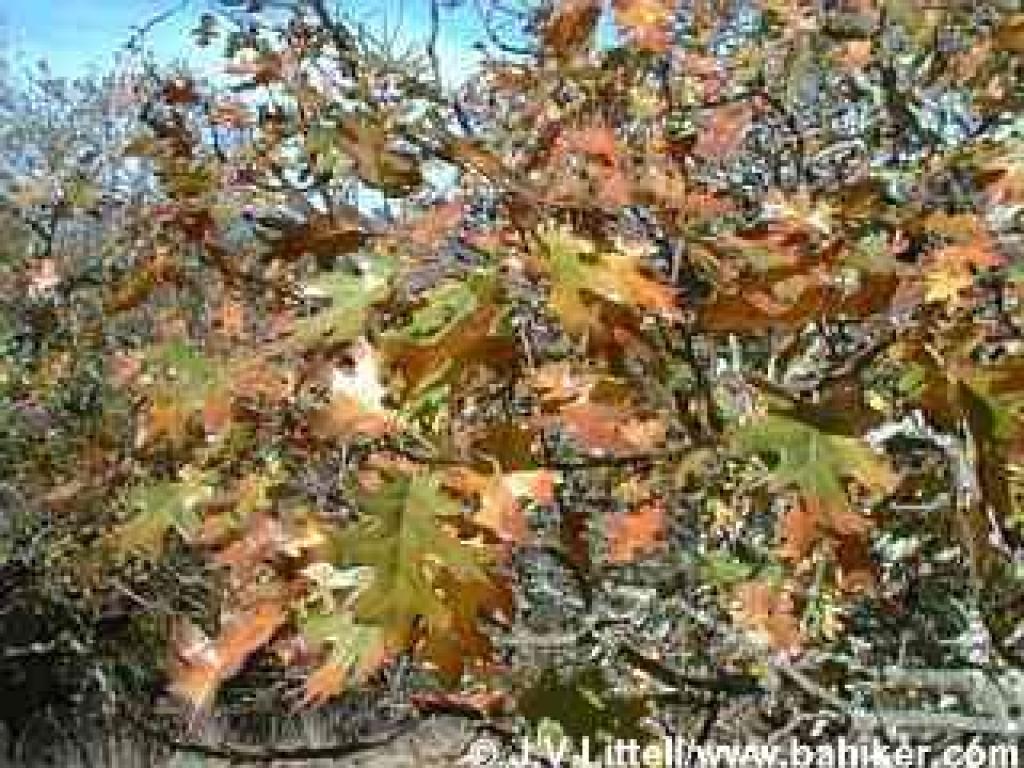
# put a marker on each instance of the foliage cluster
(689, 362)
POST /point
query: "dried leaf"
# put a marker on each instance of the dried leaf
(723, 131)
(200, 666)
(571, 26)
(636, 532)
(648, 23)
(768, 611)
(357, 400)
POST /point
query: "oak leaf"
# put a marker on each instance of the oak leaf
(161, 508)
(394, 172)
(648, 23)
(355, 651)
(357, 400)
(351, 294)
(638, 531)
(571, 26)
(580, 271)
(499, 494)
(429, 587)
(768, 611)
(200, 666)
(816, 464)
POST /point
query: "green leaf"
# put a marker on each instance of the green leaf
(424, 575)
(585, 704)
(580, 271)
(445, 306)
(161, 508)
(814, 462)
(723, 570)
(351, 644)
(192, 374)
(351, 295)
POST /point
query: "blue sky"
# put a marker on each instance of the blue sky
(75, 36)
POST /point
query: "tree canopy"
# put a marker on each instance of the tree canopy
(671, 364)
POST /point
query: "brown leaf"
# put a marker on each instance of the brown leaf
(1010, 35)
(469, 342)
(571, 26)
(485, 703)
(430, 228)
(393, 171)
(180, 91)
(263, 70)
(320, 235)
(857, 570)
(723, 131)
(474, 155)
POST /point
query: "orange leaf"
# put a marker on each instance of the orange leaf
(557, 382)
(259, 379)
(609, 429)
(809, 520)
(981, 252)
(231, 318)
(325, 682)
(163, 419)
(217, 413)
(646, 22)
(346, 418)
(499, 494)
(262, 541)
(798, 530)
(595, 140)
(430, 228)
(768, 611)
(200, 666)
(636, 532)
(571, 26)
